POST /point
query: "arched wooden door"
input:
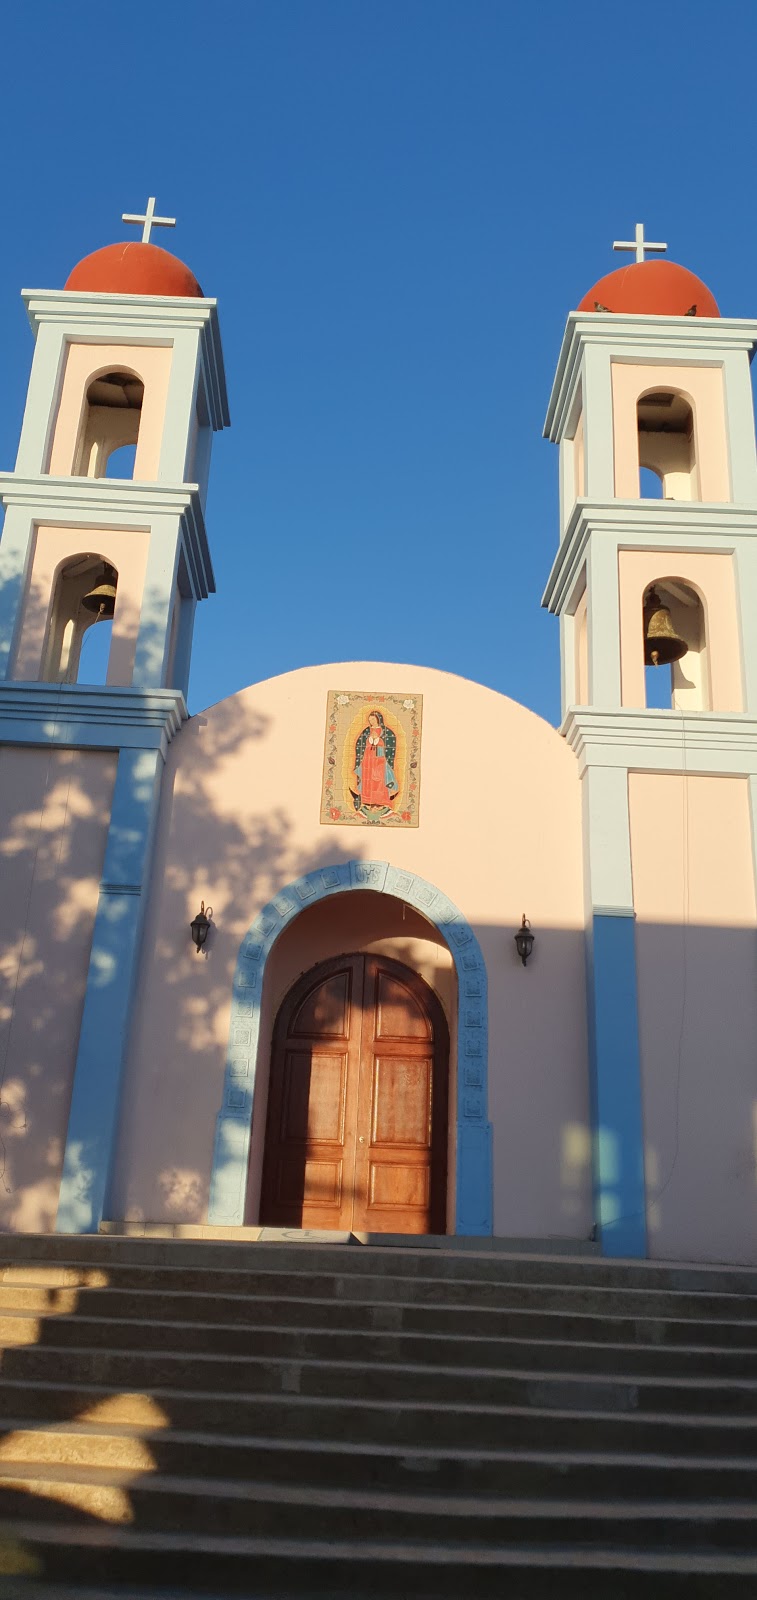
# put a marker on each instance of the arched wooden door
(356, 1135)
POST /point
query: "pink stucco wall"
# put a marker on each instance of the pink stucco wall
(696, 944)
(500, 834)
(54, 808)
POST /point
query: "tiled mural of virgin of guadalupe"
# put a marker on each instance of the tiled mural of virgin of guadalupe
(371, 769)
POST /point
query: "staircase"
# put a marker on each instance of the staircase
(308, 1420)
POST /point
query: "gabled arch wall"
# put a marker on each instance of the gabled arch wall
(473, 1177)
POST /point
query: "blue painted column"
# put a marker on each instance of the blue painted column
(110, 985)
(619, 1188)
(615, 1061)
(474, 1211)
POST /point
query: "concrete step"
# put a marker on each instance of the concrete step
(392, 1382)
(434, 1318)
(79, 1332)
(408, 1262)
(567, 1296)
(272, 1420)
(258, 1509)
(267, 1567)
(295, 1416)
(566, 1473)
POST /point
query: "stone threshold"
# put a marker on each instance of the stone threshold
(412, 1241)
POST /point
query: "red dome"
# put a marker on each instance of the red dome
(134, 268)
(654, 288)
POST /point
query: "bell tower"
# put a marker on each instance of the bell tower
(655, 585)
(105, 534)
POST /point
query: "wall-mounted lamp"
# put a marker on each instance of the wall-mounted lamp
(199, 925)
(524, 940)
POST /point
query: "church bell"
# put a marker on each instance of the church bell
(662, 644)
(102, 599)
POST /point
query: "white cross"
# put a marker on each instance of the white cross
(150, 220)
(639, 244)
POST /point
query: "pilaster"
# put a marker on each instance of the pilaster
(739, 412)
(16, 553)
(597, 414)
(603, 622)
(617, 1133)
(41, 400)
(112, 969)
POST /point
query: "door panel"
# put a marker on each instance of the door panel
(315, 1084)
(357, 1113)
(398, 1013)
(402, 1101)
(396, 1185)
(325, 1010)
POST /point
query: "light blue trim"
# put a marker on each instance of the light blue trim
(153, 639)
(619, 1189)
(16, 548)
(110, 983)
(473, 1209)
(75, 715)
(114, 503)
(182, 658)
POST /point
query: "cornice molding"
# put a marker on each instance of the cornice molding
(681, 525)
(129, 318)
(115, 503)
(73, 714)
(699, 341)
(709, 742)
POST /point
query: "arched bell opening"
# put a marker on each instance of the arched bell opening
(110, 423)
(667, 446)
(84, 596)
(676, 663)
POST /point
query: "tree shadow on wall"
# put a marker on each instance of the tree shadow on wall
(51, 853)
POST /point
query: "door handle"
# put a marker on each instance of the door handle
(361, 1138)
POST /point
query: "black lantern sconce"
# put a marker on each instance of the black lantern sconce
(524, 940)
(199, 925)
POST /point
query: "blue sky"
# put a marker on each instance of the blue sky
(396, 204)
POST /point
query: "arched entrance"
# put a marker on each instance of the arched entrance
(356, 1135)
(473, 1134)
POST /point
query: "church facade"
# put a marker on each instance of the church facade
(350, 1038)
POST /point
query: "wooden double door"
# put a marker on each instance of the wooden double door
(356, 1136)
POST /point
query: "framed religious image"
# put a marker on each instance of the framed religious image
(372, 763)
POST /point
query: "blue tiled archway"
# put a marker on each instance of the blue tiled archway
(473, 1204)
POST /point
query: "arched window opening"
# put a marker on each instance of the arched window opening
(85, 595)
(650, 484)
(112, 413)
(667, 445)
(659, 688)
(675, 647)
(94, 653)
(120, 462)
